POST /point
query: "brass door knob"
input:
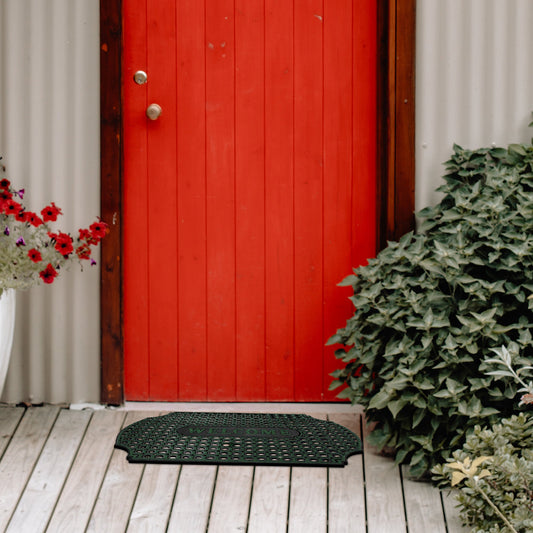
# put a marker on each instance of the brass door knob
(153, 111)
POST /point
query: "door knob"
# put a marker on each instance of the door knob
(153, 111)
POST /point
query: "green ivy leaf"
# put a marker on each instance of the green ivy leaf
(396, 406)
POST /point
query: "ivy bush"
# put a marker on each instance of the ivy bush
(429, 308)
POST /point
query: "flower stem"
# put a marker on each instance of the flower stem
(498, 512)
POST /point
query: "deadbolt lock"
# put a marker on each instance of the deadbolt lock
(140, 77)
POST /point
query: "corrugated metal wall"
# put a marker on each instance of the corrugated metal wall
(474, 81)
(49, 138)
(474, 87)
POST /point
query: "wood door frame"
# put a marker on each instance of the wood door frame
(395, 160)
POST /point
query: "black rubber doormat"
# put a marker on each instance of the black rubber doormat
(238, 439)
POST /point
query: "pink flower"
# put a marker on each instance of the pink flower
(527, 398)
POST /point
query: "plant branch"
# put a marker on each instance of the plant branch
(496, 510)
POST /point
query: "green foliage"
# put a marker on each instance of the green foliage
(510, 483)
(500, 497)
(429, 309)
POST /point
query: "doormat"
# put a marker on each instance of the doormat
(238, 439)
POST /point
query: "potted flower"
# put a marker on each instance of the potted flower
(32, 252)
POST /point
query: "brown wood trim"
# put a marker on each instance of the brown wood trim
(396, 159)
(111, 198)
(396, 125)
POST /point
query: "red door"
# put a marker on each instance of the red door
(249, 198)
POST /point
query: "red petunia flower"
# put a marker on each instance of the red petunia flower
(4, 183)
(85, 235)
(12, 208)
(83, 251)
(48, 274)
(22, 216)
(33, 219)
(99, 229)
(63, 243)
(50, 212)
(35, 255)
(5, 196)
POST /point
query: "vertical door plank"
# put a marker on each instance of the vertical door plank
(151, 510)
(384, 497)
(85, 478)
(250, 199)
(364, 210)
(231, 499)
(308, 197)
(9, 419)
(346, 503)
(220, 168)
(423, 506)
(190, 513)
(21, 455)
(162, 223)
(44, 486)
(270, 500)
(116, 496)
(279, 200)
(192, 289)
(135, 184)
(338, 133)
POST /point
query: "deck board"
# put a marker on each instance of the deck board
(270, 499)
(152, 506)
(423, 507)
(9, 420)
(308, 500)
(192, 504)
(347, 487)
(115, 500)
(384, 496)
(453, 522)
(308, 506)
(20, 457)
(87, 473)
(60, 472)
(44, 486)
(231, 499)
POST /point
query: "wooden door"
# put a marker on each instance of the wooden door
(249, 198)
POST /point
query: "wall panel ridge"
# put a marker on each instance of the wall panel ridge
(474, 81)
(49, 138)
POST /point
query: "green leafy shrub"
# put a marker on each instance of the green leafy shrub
(499, 498)
(510, 483)
(430, 308)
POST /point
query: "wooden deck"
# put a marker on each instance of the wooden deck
(59, 472)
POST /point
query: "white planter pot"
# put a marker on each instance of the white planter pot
(7, 328)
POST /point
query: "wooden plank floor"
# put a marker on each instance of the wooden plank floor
(59, 472)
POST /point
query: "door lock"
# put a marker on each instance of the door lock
(140, 77)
